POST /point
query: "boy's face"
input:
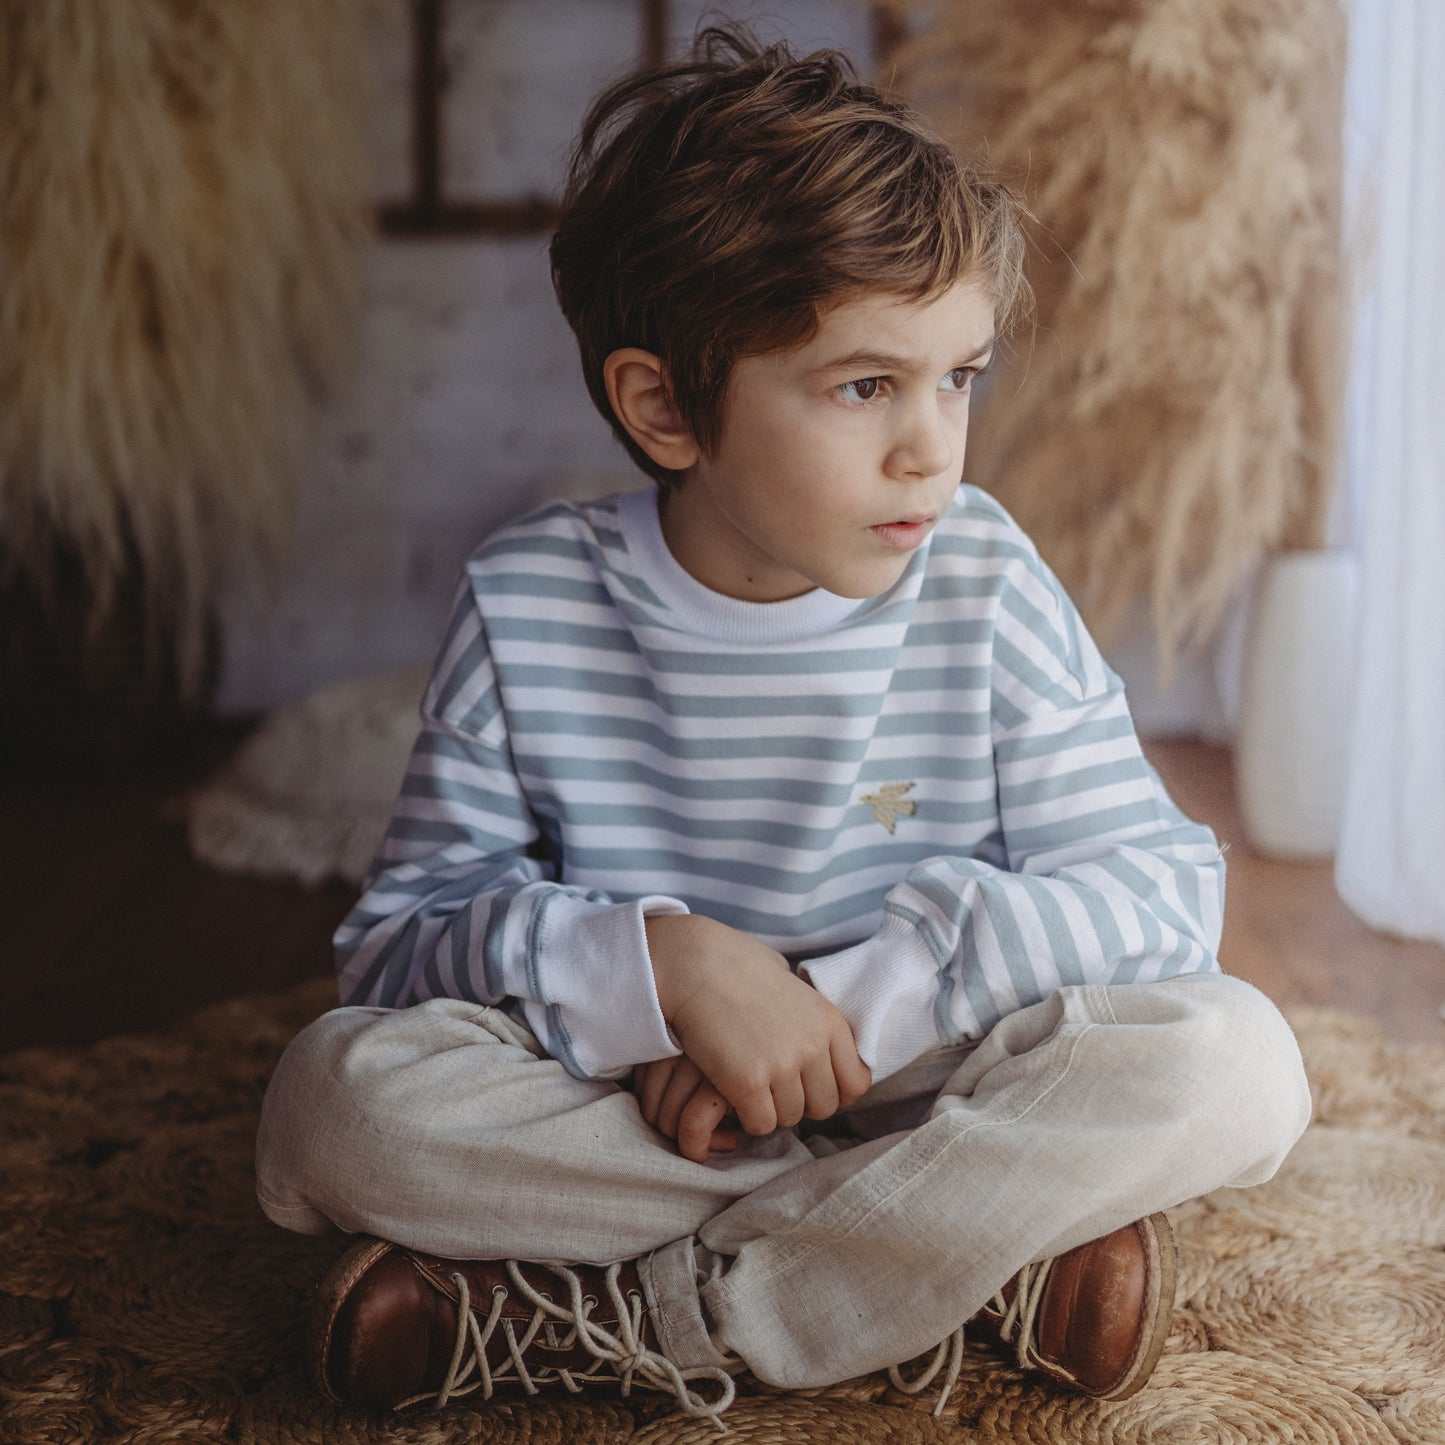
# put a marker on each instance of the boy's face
(838, 458)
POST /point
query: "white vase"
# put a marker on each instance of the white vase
(1295, 703)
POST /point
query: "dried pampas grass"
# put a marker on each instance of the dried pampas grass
(183, 192)
(1173, 419)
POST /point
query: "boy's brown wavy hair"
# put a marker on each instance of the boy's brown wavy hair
(715, 209)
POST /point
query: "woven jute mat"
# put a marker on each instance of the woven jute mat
(144, 1298)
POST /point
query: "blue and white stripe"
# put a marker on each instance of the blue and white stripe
(603, 738)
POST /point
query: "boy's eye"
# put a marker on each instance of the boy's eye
(865, 389)
(958, 379)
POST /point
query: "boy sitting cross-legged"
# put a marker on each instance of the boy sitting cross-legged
(781, 953)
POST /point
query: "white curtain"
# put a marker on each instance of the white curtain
(1390, 865)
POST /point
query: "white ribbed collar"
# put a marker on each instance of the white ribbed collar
(713, 614)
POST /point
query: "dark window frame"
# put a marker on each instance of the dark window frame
(428, 211)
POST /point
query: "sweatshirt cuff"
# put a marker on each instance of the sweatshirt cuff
(887, 987)
(603, 1012)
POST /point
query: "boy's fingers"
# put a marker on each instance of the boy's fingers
(854, 1077)
(680, 1088)
(756, 1111)
(654, 1084)
(789, 1101)
(699, 1122)
(820, 1089)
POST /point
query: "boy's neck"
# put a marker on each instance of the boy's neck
(707, 612)
(689, 522)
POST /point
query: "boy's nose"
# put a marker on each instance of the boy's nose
(923, 448)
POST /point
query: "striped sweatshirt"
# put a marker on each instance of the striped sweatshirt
(932, 802)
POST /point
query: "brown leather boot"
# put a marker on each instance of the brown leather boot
(1093, 1319)
(394, 1327)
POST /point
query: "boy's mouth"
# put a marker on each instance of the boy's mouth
(905, 533)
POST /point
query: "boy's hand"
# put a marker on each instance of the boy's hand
(675, 1098)
(771, 1045)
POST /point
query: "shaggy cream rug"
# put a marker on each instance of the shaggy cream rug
(308, 795)
(143, 1297)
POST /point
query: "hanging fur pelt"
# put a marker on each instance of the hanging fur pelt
(1172, 419)
(183, 188)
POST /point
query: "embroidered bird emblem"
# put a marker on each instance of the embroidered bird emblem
(889, 804)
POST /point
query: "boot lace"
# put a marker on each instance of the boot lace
(1015, 1326)
(621, 1355)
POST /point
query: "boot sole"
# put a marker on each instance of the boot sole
(340, 1280)
(1161, 1261)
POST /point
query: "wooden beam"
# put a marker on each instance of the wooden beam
(428, 82)
(889, 31)
(656, 33)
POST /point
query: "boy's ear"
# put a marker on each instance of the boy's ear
(639, 401)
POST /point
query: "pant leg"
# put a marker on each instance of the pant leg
(446, 1127)
(1074, 1117)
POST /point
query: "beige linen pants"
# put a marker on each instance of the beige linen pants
(445, 1127)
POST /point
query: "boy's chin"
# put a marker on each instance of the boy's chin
(859, 589)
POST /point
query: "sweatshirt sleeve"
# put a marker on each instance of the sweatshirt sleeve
(1096, 876)
(463, 899)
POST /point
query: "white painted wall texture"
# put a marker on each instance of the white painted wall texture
(467, 405)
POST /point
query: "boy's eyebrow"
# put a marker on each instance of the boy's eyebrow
(868, 359)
